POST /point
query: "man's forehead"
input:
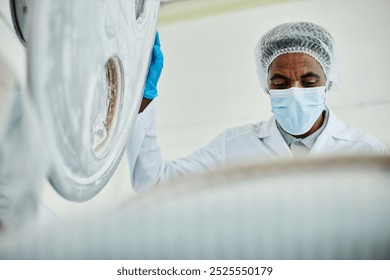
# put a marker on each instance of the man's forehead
(295, 64)
(299, 63)
(292, 60)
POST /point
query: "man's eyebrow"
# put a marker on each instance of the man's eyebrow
(278, 76)
(311, 75)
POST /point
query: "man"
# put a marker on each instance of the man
(296, 65)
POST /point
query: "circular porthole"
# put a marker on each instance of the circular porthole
(107, 118)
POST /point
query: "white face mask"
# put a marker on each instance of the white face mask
(297, 109)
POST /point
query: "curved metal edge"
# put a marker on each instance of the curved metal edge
(15, 23)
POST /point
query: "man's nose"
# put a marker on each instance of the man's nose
(296, 84)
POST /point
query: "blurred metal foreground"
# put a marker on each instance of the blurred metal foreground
(23, 159)
(324, 208)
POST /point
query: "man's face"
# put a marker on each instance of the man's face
(295, 70)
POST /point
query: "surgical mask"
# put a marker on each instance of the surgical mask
(297, 109)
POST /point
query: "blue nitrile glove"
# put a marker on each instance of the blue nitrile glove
(155, 68)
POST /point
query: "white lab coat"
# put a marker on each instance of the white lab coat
(252, 142)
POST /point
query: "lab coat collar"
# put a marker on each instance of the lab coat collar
(336, 129)
(270, 135)
(269, 128)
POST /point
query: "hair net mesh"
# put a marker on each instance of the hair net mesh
(297, 37)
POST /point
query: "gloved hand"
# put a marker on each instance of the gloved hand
(155, 68)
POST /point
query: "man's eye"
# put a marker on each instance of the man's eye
(310, 83)
(281, 84)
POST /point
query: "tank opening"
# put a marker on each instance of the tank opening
(113, 91)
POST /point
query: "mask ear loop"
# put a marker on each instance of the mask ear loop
(328, 86)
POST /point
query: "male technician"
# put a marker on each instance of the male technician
(296, 65)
